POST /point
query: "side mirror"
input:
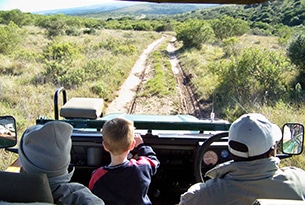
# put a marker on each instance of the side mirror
(8, 131)
(293, 138)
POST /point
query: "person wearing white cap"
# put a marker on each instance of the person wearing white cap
(46, 149)
(254, 173)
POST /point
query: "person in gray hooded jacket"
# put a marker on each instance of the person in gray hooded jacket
(46, 149)
(254, 173)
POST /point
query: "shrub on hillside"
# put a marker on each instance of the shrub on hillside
(194, 33)
(10, 37)
(18, 17)
(101, 90)
(255, 78)
(228, 27)
(61, 52)
(230, 47)
(296, 53)
(58, 58)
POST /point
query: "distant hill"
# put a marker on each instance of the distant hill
(287, 12)
(115, 9)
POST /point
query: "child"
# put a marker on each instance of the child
(124, 181)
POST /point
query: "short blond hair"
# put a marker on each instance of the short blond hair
(118, 135)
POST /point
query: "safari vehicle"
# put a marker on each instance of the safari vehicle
(186, 146)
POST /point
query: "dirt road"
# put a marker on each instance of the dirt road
(127, 101)
(128, 90)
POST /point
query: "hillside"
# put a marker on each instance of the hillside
(287, 12)
(127, 9)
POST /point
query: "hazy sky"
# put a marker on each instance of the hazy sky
(40, 5)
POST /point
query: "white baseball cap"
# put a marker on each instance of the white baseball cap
(254, 131)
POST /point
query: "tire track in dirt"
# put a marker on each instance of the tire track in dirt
(127, 101)
(128, 90)
(188, 101)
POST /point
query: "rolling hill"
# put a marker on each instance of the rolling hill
(115, 9)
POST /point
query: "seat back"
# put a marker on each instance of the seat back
(24, 187)
(88, 108)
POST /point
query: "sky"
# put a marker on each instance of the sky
(41, 5)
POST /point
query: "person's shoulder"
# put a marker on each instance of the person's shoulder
(80, 194)
(193, 195)
(293, 169)
(293, 173)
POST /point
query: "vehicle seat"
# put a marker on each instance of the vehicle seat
(88, 108)
(25, 187)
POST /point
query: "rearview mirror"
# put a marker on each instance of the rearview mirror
(293, 138)
(8, 131)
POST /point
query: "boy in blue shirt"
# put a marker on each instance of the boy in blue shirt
(124, 181)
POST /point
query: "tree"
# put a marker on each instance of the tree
(228, 27)
(18, 17)
(194, 32)
(296, 53)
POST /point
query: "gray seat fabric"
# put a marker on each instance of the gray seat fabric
(24, 187)
(90, 108)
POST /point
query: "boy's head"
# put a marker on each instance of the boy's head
(118, 135)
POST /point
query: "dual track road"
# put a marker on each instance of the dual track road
(128, 100)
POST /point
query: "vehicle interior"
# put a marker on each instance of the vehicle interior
(176, 139)
(186, 146)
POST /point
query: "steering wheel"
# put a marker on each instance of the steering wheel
(199, 155)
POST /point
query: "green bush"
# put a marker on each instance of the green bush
(61, 52)
(58, 58)
(18, 17)
(228, 26)
(194, 33)
(229, 46)
(72, 31)
(101, 90)
(284, 33)
(72, 78)
(296, 53)
(10, 37)
(255, 78)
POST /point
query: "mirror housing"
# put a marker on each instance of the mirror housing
(8, 131)
(293, 138)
